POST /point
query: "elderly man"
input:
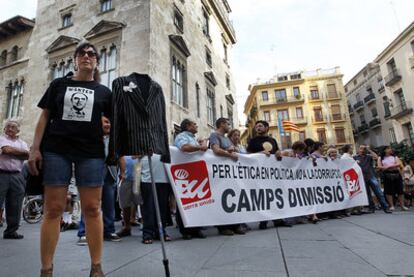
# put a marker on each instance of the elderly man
(12, 185)
(187, 142)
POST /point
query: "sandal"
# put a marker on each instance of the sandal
(147, 241)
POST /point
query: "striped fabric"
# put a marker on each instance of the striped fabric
(290, 126)
(139, 126)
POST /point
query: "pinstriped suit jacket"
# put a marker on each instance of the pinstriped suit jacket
(139, 126)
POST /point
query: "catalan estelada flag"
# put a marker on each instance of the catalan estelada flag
(290, 126)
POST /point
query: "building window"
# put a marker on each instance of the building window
(3, 58)
(177, 130)
(355, 82)
(265, 96)
(412, 46)
(106, 5)
(15, 99)
(198, 99)
(410, 131)
(299, 113)
(209, 60)
(62, 69)
(321, 135)
(230, 113)
(317, 111)
(314, 92)
(286, 139)
(225, 53)
(282, 78)
(387, 111)
(302, 135)
(14, 53)
(282, 115)
(296, 92)
(178, 77)
(206, 24)
(280, 95)
(362, 119)
(401, 100)
(67, 20)
(374, 112)
(178, 20)
(336, 112)
(211, 109)
(332, 93)
(295, 76)
(340, 135)
(228, 81)
(393, 138)
(108, 65)
(266, 116)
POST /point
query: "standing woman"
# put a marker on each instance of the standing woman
(234, 136)
(391, 167)
(70, 130)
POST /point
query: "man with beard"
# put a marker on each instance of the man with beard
(263, 143)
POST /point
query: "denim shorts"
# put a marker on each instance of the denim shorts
(57, 170)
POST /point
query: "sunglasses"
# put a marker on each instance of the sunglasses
(90, 54)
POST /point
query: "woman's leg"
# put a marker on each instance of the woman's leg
(91, 208)
(54, 204)
(390, 200)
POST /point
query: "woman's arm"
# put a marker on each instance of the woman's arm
(35, 157)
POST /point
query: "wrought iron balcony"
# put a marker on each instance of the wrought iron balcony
(374, 123)
(281, 100)
(369, 98)
(401, 110)
(358, 105)
(363, 128)
(393, 77)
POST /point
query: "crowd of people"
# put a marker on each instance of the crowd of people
(71, 143)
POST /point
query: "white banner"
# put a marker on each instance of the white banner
(212, 190)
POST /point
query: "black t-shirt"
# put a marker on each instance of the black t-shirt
(75, 125)
(258, 144)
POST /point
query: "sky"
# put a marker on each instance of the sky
(281, 36)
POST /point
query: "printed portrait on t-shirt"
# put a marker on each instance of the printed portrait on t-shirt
(78, 104)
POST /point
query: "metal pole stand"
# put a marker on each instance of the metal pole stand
(158, 214)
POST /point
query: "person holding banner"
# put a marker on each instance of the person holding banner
(222, 146)
(263, 143)
(187, 142)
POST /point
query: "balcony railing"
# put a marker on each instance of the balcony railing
(358, 105)
(334, 95)
(317, 97)
(338, 117)
(276, 100)
(376, 122)
(319, 119)
(363, 128)
(296, 120)
(404, 108)
(350, 109)
(393, 77)
(369, 98)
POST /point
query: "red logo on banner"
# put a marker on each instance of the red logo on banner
(352, 182)
(192, 182)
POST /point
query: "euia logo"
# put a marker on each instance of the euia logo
(191, 181)
(352, 182)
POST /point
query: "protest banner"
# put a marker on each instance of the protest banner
(212, 190)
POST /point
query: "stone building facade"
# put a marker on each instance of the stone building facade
(368, 107)
(313, 100)
(396, 63)
(183, 45)
(380, 96)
